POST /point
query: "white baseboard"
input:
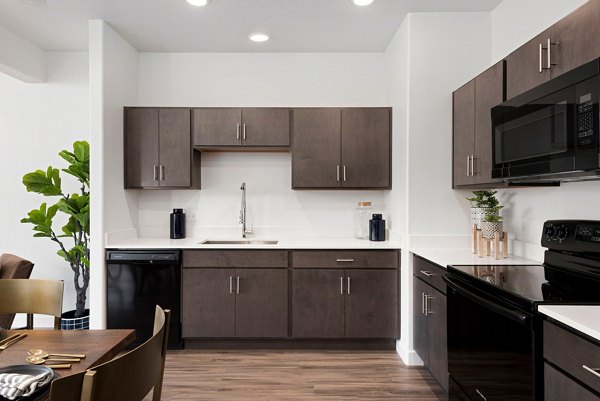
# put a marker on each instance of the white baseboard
(409, 357)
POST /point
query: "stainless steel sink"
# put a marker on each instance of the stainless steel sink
(239, 242)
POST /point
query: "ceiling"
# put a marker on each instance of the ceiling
(223, 25)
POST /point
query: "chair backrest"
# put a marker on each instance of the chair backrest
(30, 296)
(129, 377)
(12, 266)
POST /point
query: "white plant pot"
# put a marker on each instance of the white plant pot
(490, 228)
(478, 214)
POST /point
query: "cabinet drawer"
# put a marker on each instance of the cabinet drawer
(558, 387)
(223, 258)
(571, 353)
(345, 259)
(429, 272)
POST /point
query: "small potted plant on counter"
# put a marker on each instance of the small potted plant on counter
(492, 223)
(483, 203)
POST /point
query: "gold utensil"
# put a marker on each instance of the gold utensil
(38, 360)
(59, 366)
(13, 341)
(8, 339)
(43, 354)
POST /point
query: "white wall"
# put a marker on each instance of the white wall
(514, 22)
(257, 79)
(21, 59)
(113, 84)
(36, 122)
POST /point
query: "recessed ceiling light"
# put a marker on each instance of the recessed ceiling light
(259, 37)
(198, 3)
(362, 3)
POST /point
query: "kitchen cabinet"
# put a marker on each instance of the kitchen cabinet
(240, 300)
(578, 361)
(429, 318)
(241, 128)
(351, 301)
(341, 148)
(158, 152)
(567, 44)
(472, 128)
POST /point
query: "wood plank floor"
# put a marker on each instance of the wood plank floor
(295, 375)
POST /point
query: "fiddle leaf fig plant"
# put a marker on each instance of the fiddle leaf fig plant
(75, 207)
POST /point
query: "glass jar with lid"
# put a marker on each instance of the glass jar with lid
(362, 214)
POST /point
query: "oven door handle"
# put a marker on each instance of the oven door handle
(515, 316)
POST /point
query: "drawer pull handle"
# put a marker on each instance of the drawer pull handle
(344, 260)
(341, 285)
(237, 285)
(426, 273)
(348, 285)
(594, 371)
(230, 284)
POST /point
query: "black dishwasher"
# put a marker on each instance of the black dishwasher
(137, 281)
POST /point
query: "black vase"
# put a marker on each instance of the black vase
(177, 224)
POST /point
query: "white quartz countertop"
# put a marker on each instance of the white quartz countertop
(284, 243)
(463, 256)
(583, 318)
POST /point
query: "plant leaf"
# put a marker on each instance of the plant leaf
(45, 183)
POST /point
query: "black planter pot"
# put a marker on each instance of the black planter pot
(70, 322)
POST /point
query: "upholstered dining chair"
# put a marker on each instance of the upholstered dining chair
(13, 266)
(129, 377)
(44, 297)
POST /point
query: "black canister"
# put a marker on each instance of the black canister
(177, 224)
(377, 228)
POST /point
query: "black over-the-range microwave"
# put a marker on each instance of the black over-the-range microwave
(550, 132)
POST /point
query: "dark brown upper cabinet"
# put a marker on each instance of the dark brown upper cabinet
(472, 128)
(341, 148)
(569, 43)
(241, 128)
(158, 152)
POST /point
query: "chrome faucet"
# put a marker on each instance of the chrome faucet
(243, 212)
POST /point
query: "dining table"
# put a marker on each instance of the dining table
(98, 346)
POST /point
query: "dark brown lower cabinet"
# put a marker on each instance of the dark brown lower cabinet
(429, 329)
(558, 387)
(350, 303)
(225, 303)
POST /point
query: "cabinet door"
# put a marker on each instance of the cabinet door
(558, 387)
(576, 38)
(317, 303)
(489, 92)
(208, 303)
(141, 147)
(175, 147)
(523, 66)
(463, 132)
(420, 332)
(366, 148)
(438, 337)
(316, 148)
(261, 308)
(217, 127)
(266, 127)
(371, 303)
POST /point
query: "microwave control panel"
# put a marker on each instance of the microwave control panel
(585, 123)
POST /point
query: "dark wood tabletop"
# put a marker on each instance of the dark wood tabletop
(99, 346)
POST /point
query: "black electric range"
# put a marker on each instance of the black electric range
(494, 330)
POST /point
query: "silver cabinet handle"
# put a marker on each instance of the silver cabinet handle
(549, 54)
(473, 170)
(541, 57)
(162, 172)
(237, 285)
(425, 307)
(348, 291)
(594, 371)
(155, 169)
(426, 273)
(423, 303)
(337, 174)
(341, 285)
(230, 284)
(344, 173)
(237, 132)
(344, 260)
(468, 163)
(244, 132)
(427, 310)
(481, 395)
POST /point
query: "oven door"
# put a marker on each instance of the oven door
(536, 138)
(490, 346)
